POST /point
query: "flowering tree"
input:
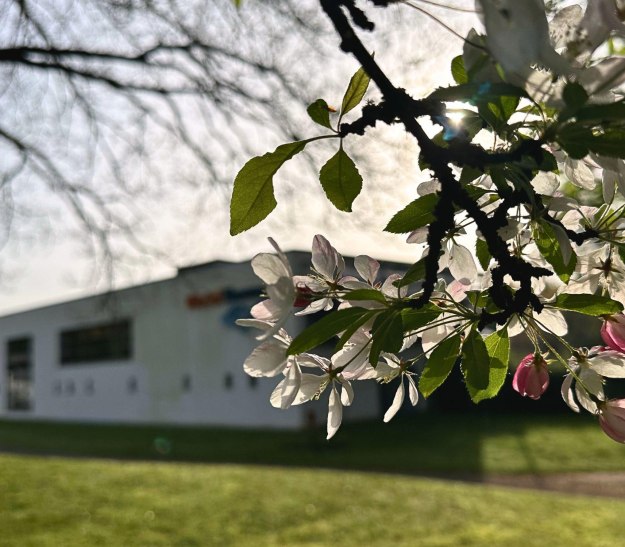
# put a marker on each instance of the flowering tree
(543, 201)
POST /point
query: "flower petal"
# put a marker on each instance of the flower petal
(397, 402)
(268, 359)
(335, 413)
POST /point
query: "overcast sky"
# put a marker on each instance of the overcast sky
(43, 271)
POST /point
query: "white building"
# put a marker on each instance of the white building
(164, 352)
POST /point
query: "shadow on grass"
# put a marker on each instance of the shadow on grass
(427, 444)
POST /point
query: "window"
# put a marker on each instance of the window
(186, 383)
(109, 342)
(132, 385)
(228, 381)
(19, 374)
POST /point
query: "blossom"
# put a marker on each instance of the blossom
(612, 419)
(531, 377)
(396, 367)
(275, 271)
(601, 269)
(328, 267)
(588, 368)
(613, 332)
(313, 385)
(517, 36)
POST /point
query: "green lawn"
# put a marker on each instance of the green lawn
(429, 443)
(60, 502)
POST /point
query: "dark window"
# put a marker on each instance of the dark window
(132, 385)
(89, 387)
(19, 374)
(186, 383)
(110, 342)
(70, 388)
(228, 381)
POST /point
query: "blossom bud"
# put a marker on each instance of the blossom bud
(613, 332)
(612, 419)
(531, 377)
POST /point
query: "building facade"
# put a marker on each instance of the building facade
(163, 352)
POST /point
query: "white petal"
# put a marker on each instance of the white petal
(325, 259)
(310, 386)
(266, 311)
(585, 400)
(552, 321)
(270, 268)
(347, 393)
(254, 323)
(367, 268)
(335, 413)
(268, 359)
(567, 393)
(428, 187)
(391, 290)
(412, 391)
(461, 263)
(323, 304)
(285, 392)
(579, 173)
(545, 183)
(397, 402)
(609, 363)
(420, 235)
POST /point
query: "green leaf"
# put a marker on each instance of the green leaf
(574, 95)
(478, 299)
(319, 112)
(609, 143)
(366, 295)
(415, 273)
(498, 349)
(252, 197)
(414, 319)
(574, 139)
(497, 112)
(600, 113)
(439, 365)
(327, 327)
(341, 181)
(458, 71)
(475, 361)
(355, 91)
(349, 332)
(482, 253)
(469, 174)
(387, 335)
(587, 304)
(415, 215)
(549, 246)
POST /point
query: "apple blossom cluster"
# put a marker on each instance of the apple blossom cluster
(523, 206)
(367, 311)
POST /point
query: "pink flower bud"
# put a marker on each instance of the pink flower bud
(531, 377)
(613, 332)
(612, 419)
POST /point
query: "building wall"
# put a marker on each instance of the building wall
(186, 364)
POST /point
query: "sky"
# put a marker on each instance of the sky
(47, 269)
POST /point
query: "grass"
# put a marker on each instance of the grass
(52, 502)
(421, 444)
